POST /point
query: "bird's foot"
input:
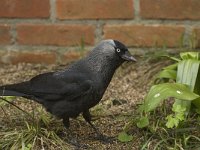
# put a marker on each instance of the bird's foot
(72, 140)
(77, 144)
(103, 138)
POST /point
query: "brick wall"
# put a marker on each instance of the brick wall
(50, 31)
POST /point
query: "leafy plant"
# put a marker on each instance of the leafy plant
(181, 81)
(124, 137)
(173, 120)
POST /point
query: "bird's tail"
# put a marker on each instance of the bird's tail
(12, 90)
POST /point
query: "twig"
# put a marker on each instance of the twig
(16, 106)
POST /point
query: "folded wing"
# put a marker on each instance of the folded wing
(50, 87)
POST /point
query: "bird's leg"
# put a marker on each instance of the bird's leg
(72, 141)
(88, 118)
(66, 122)
(100, 136)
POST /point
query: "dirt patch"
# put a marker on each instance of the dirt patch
(126, 90)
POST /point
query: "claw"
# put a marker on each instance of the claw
(104, 139)
(77, 144)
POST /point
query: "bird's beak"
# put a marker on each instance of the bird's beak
(128, 57)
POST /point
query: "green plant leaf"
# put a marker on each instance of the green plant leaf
(196, 103)
(171, 67)
(171, 121)
(143, 122)
(197, 111)
(180, 116)
(178, 108)
(167, 73)
(163, 91)
(190, 55)
(124, 137)
(179, 112)
(187, 74)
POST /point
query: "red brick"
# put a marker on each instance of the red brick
(95, 9)
(145, 36)
(196, 36)
(70, 56)
(60, 35)
(24, 8)
(29, 57)
(5, 37)
(170, 9)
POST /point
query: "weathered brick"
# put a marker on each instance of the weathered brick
(24, 8)
(170, 9)
(145, 36)
(196, 36)
(15, 57)
(60, 35)
(5, 37)
(70, 56)
(94, 9)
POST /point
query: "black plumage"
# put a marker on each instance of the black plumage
(79, 87)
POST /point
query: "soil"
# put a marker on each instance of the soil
(119, 104)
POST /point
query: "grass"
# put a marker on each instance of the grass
(34, 128)
(20, 131)
(30, 131)
(157, 137)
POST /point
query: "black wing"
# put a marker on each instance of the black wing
(52, 86)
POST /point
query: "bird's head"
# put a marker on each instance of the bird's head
(114, 49)
(122, 51)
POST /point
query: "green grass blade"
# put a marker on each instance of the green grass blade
(172, 58)
(8, 98)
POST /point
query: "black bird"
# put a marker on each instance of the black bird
(79, 87)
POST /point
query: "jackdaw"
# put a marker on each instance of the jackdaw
(77, 88)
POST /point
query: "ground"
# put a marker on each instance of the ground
(118, 106)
